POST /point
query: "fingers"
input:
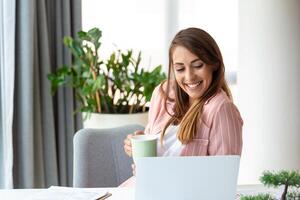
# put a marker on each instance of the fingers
(127, 142)
(127, 149)
(127, 145)
(139, 132)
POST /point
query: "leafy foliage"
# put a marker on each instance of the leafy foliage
(283, 177)
(291, 178)
(258, 197)
(293, 195)
(115, 85)
(276, 179)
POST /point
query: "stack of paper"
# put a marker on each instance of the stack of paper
(66, 193)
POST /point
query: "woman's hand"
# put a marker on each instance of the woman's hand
(127, 142)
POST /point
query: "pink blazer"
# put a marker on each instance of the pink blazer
(219, 133)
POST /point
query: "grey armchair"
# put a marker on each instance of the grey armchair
(99, 157)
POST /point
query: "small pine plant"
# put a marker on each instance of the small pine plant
(285, 178)
(276, 179)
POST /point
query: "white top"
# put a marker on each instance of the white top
(171, 145)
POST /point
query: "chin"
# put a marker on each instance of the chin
(194, 96)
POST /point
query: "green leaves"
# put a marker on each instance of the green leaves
(293, 195)
(115, 85)
(93, 36)
(291, 178)
(74, 46)
(59, 78)
(276, 179)
(151, 79)
(258, 197)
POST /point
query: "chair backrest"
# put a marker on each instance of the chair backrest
(99, 157)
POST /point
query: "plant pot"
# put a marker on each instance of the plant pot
(98, 120)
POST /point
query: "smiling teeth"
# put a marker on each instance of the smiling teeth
(193, 85)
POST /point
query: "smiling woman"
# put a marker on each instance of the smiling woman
(192, 111)
(191, 73)
(200, 94)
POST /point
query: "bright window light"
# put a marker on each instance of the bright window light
(142, 25)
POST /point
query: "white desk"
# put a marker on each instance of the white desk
(117, 193)
(24, 194)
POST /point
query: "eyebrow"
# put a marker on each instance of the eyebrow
(179, 63)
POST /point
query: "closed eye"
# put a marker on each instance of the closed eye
(198, 65)
(179, 69)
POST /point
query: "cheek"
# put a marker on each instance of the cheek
(178, 78)
(208, 76)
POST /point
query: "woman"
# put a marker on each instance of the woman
(193, 110)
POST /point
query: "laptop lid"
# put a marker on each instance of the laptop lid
(186, 178)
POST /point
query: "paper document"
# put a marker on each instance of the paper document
(66, 193)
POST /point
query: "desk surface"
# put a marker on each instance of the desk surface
(24, 194)
(117, 193)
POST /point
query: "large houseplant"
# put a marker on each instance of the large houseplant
(114, 85)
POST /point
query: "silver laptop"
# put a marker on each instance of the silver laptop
(186, 178)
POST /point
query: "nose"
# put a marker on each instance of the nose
(190, 75)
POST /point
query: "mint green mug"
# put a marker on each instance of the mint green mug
(144, 146)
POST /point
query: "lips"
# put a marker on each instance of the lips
(193, 85)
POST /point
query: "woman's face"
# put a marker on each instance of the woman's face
(191, 73)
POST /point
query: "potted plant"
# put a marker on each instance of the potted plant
(275, 179)
(116, 85)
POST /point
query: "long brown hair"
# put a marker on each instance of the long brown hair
(201, 44)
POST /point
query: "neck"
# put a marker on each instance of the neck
(191, 101)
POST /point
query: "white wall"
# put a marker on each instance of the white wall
(269, 85)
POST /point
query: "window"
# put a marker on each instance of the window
(147, 25)
(220, 19)
(130, 24)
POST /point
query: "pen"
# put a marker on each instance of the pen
(104, 196)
